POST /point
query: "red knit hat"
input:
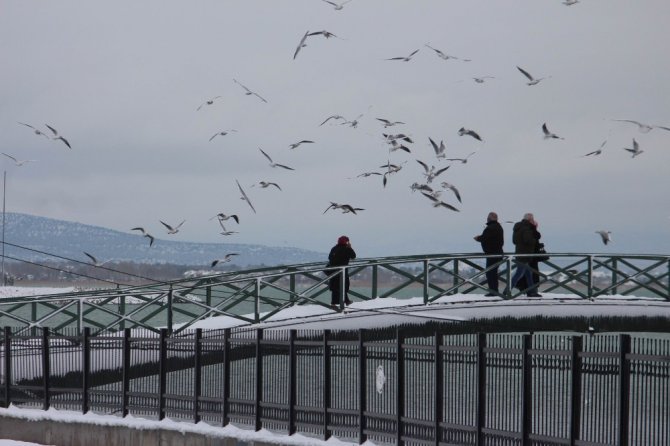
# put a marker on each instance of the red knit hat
(343, 240)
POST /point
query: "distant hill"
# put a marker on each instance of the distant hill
(69, 239)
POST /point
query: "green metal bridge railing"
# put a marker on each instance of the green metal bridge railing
(255, 295)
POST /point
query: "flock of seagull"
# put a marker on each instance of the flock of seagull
(394, 142)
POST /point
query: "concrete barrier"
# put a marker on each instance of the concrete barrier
(60, 433)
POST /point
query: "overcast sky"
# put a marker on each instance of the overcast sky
(122, 80)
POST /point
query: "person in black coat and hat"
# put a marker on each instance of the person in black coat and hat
(492, 240)
(340, 255)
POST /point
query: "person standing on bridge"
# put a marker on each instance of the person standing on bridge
(525, 241)
(340, 255)
(492, 240)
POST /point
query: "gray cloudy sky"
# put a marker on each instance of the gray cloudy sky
(122, 80)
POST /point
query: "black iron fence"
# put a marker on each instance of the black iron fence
(389, 387)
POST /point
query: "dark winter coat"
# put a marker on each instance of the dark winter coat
(523, 237)
(340, 255)
(492, 239)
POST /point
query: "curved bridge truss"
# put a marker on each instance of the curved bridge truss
(255, 295)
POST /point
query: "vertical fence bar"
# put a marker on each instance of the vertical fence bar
(291, 285)
(362, 388)
(456, 280)
(86, 369)
(426, 274)
(162, 372)
(259, 379)
(80, 314)
(122, 310)
(33, 317)
(292, 382)
(46, 366)
(439, 387)
(615, 275)
(257, 301)
(481, 388)
(126, 373)
(589, 291)
(400, 386)
(169, 310)
(508, 278)
(576, 390)
(667, 294)
(527, 401)
(624, 389)
(197, 375)
(375, 273)
(343, 289)
(208, 297)
(225, 416)
(326, 385)
(8, 365)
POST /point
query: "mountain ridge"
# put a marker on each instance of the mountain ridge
(52, 239)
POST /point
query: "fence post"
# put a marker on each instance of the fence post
(590, 278)
(527, 401)
(508, 278)
(362, 388)
(197, 375)
(86, 372)
(162, 372)
(8, 365)
(326, 385)
(343, 284)
(624, 389)
(259, 380)
(169, 310)
(33, 317)
(615, 276)
(291, 285)
(46, 366)
(208, 297)
(439, 387)
(456, 281)
(292, 381)
(400, 386)
(375, 291)
(426, 275)
(126, 372)
(667, 295)
(257, 299)
(122, 310)
(576, 392)
(481, 387)
(225, 419)
(80, 314)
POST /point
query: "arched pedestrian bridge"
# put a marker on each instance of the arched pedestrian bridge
(255, 295)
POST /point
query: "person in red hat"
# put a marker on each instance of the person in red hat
(340, 255)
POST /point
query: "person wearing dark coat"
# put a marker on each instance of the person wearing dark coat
(492, 240)
(340, 255)
(525, 243)
(533, 263)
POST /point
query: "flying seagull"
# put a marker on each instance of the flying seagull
(18, 162)
(337, 6)
(531, 79)
(296, 144)
(606, 236)
(272, 163)
(481, 79)
(452, 188)
(570, 2)
(58, 137)
(445, 56)
(439, 150)
(145, 234)
(439, 203)
(324, 33)
(36, 130)
(548, 134)
(94, 261)
(226, 258)
(221, 133)
(395, 145)
(266, 184)
(345, 208)
(244, 197)
(388, 123)
(223, 217)
(642, 127)
(462, 160)
(463, 131)
(207, 102)
(225, 231)
(367, 174)
(402, 136)
(302, 44)
(431, 173)
(333, 117)
(249, 92)
(635, 150)
(172, 229)
(405, 58)
(598, 151)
